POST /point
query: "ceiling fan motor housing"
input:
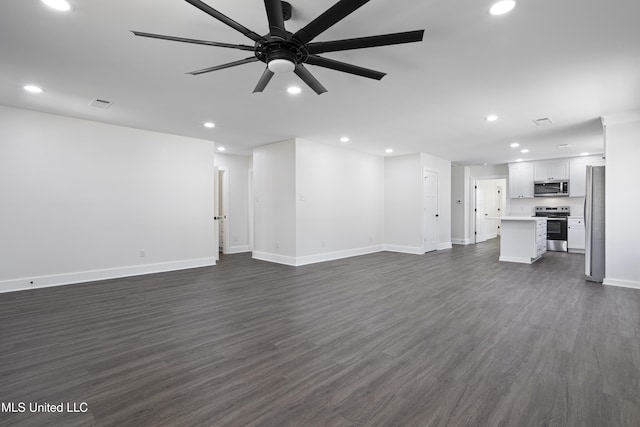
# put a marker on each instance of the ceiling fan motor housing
(275, 48)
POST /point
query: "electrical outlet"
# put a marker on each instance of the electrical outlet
(142, 253)
(277, 245)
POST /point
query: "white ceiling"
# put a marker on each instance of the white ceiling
(570, 60)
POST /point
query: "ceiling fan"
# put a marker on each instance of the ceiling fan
(283, 51)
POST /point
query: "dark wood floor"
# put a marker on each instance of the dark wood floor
(452, 338)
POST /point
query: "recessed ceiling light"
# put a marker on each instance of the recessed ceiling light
(524, 150)
(518, 160)
(491, 118)
(209, 125)
(515, 145)
(502, 7)
(221, 148)
(584, 154)
(294, 90)
(389, 150)
(344, 139)
(61, 5)
(33, 89)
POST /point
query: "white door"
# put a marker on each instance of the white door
(431, 211)
(216, 214)
(481, 224)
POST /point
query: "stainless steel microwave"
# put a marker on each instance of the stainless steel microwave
(551, 189)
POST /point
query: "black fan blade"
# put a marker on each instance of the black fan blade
(223, 66)
(204, 42)
(276, 18)
(308, 78)
(334, 14)
(264, 80)
(363, 42)
(343, 66)
(225, 20)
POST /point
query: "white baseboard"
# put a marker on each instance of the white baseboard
(516, 259)
(414, 250)
(461, 241)
(633, 284)
(330, 256)
(278, 259)
(94, 275)
(441, 246)
(237, 249)
(312, 259)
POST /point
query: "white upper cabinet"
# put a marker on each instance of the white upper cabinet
(523, 175)
(578, 174)
(577, 179)
(521, 181)
(557, 171)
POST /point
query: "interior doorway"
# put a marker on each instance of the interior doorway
(489, 201)
(221, 207)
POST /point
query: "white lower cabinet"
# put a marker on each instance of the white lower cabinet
(576, 235)
(522, 239)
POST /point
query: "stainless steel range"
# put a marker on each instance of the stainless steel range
(556, 226)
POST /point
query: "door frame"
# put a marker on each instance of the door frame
(225, 208)
(473, 183)
(216, 212)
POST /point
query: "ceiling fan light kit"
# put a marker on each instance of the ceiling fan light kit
(278, 66)
(284, 52)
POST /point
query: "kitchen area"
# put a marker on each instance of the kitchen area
(555, 205)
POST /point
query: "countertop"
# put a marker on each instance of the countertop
(517, 218)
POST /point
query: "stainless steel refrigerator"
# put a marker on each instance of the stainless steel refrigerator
(594, 224)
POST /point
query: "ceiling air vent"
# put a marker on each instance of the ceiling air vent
(543, 121)
(100, 103)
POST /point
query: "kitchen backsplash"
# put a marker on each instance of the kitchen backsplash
(525, 207)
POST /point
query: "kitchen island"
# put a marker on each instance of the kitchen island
(523, 239)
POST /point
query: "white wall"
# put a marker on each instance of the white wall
(237, 174)
(622, 151)
(339, 202)
(443, 168)
(274, 194)
(81, 199)
(403, 204)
